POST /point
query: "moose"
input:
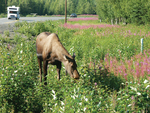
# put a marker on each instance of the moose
(51, 51)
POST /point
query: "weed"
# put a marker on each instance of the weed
(7, 33)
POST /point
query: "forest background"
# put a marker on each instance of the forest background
(133, 11)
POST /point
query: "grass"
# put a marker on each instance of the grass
(99, 89)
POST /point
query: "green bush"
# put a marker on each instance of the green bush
(134, 11)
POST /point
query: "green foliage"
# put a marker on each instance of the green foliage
(7, 33)
(133, 11)
(2, 15)
(97, 90)
(2, 6)
(33, 29)
(50, 7)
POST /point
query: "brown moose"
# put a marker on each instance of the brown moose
(50, 50)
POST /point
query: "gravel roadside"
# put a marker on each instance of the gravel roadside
(11, 28)
(8, 27)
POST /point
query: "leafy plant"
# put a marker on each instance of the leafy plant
(7, 33)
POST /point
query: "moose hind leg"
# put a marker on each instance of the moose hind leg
(45, 63)
(58, 69)
(40, 68)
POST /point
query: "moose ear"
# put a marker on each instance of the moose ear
(74, 55)
(66, 58)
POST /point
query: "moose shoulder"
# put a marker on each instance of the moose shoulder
(50, 50)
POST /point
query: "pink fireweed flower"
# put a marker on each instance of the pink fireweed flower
(70, 26)
(138, 66)
(77, 19)
(132, 97)
(95, 84)
(8, 46)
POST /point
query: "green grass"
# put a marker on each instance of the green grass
(97, 90)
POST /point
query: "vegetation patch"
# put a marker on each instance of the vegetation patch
(100, 53)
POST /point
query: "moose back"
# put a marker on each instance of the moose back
(50, 50)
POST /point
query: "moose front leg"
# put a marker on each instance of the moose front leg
(58, 69)
(40, 68)
(45, 63)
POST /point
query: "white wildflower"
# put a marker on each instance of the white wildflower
(86, 99)
(54, 96)
(80, 103)
(118, 98)
(132, 88)
(85, 75)
(15, 71)
(138, 84)
(21, 51)
(138, 93)
(98, 105)
(129, 105)
(63, 67)
(62, 103)
(73, 97)
(12, 79)
(62, 108)
(53, 91)
(84, 109)
(71, 49)
(56, 104)
(122, 83)
(106, 105)
(51, 108)
(145, 81)
(147, 86)
(21, 44)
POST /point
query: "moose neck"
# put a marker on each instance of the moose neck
(62, 53)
